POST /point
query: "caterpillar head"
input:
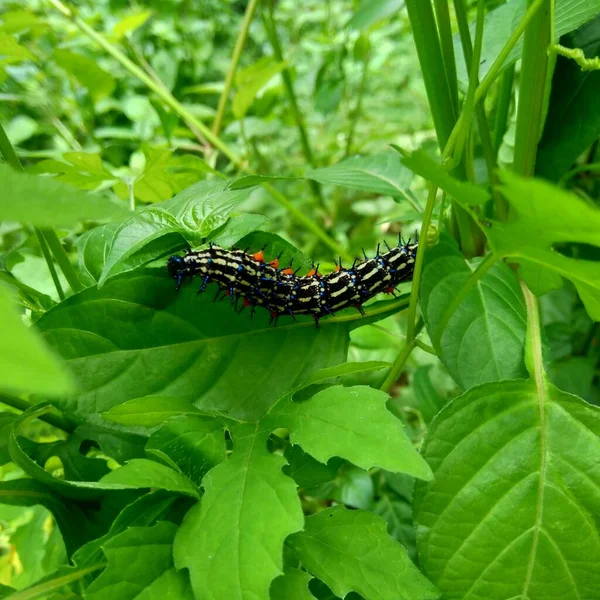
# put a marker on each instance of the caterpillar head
(175, 265)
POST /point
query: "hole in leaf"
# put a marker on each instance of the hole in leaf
(577, 250)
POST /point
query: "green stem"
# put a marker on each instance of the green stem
(532, 92)
(426, 347)
(356, 113)
(398, 366)
(447, 45)
(431, 60)
(48, 258)
(505, 88)
(44, 235)
(63, 260)
(139, 73)
(485, 265)
(52, 419)
(271, 29)
(235, 59)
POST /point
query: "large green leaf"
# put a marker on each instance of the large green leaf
(86, 71)
(42, 201)
(515, 492)
(140, 565)
(545, 217)
(193, 214)
(573, 120)
(381, 173)
(232, 541)
(500, 24)
(194, 443)
(292, 585)
(26, 363)
(352, 423)
(351, 551)
(137, 336)
(484, 337)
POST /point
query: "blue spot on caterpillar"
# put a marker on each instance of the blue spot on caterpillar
(282, 292)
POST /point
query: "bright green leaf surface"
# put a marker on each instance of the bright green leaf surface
(48, 203)
(292, 585)
(232, 540)
(137, 336)
(371, 12)
(381, 173)
(195, 444)
(420, 163)
(545, 215)
(351, 551)
(26, 364)
(352, 423)
(483, 340)
(12, 51)
(142, 473)
(516, 485)
(140, 566)
(150, 411)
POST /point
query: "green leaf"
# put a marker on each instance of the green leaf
(347, 368)
(399, 519)
(142, 473)
(381, 173)
(306, 471)
(250, 80)
(420, 163)
(572, 123)
(20, 129)
(484, 338)
(150, 411)
(87, 72)
(45, 202)
(11, 51)
(351, 551)
(501, 22)
(138, 336)
(236, 228)
(194, 213)
(23, 353)
(142, 512)
(130, 23)
(352, 423)
(516, 487)
(82, 170)
(54, 582)
(370, 12)
(545, 216)
(232, 541)
(292, 585)
(140, 564)
(195, 444)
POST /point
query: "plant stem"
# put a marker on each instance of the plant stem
(356, 113)
(505, 88)
(235, 59)
(63, 260)
(48, 258)
(52, 419)
(429, 51)
(532, 92)
(400, 361)
(271, 29)
(447, 45)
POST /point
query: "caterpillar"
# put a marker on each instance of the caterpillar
(260, 283)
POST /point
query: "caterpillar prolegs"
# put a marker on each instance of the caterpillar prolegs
(242, 275)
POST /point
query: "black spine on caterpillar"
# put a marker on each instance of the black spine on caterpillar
(280, 291)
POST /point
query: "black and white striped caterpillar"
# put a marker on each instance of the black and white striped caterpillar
(279, 290)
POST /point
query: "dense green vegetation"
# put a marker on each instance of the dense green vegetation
(154, 443)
